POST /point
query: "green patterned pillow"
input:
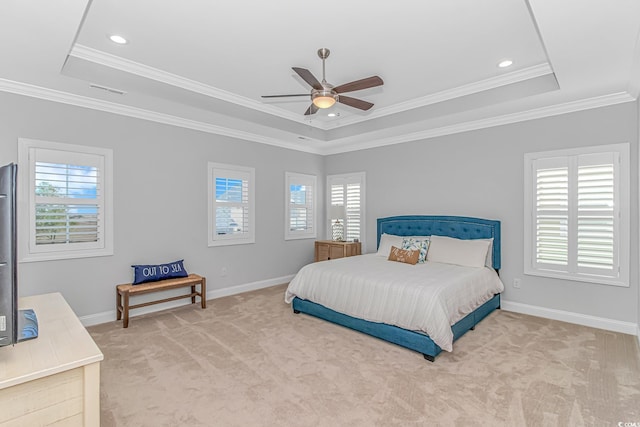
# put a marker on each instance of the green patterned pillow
(422, 245)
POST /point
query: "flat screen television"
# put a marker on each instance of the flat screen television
(15, 325)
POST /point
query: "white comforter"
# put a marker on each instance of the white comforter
(427, 297)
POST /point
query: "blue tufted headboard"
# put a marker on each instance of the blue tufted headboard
(452, 226)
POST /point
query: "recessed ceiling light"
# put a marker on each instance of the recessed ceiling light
(118, 39)
(505, 63)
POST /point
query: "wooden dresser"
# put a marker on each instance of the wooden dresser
(330, 249)
(53, 379)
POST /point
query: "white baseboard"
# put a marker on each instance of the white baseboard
(110, 316)
(576, 318)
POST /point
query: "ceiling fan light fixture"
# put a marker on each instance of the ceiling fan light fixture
(323, 99)
(325, 95)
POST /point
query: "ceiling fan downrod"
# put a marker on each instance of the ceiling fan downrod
(323, 53)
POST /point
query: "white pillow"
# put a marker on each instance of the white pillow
(489, 260)
(469, 253)
(386, 242)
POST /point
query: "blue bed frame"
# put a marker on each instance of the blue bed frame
(419, 225)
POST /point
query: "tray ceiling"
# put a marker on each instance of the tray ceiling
(204, 65)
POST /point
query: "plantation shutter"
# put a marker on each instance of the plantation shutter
(68, 200)
(352, 226)
(576, 215)
(597, 210)
(300, 206)
(232, 205)
(552, 213)
(347, 191)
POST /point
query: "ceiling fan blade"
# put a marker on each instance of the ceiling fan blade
(311, 110)
(354, 102)
(283, 96)
(308, 77)
(372, 81)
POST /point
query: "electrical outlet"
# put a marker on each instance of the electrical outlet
(516, 283)
(223, 272)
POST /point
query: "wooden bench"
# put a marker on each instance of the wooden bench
(125, 291)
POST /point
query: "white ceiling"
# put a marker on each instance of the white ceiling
(204, 65)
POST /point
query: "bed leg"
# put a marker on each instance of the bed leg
(296, 311)
(429, 357)
(473, 328)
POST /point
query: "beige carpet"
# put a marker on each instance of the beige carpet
(247, 360)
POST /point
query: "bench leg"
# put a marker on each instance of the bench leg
(193, 294)
(125, 309)
(203, 292)
(118, 305)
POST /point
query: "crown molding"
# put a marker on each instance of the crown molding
(457, 92)
(337, 146)
(344, 145)
(39, 92)
(116, 62)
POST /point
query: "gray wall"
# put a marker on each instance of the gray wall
(161, 198)
(160, 191)
(480, 174)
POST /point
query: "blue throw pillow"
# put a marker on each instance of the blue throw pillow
(153, 273)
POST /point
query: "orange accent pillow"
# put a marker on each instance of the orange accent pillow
(404, 255)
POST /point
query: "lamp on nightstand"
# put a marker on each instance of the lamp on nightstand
(337, 212)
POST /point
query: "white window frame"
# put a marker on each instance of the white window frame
(29, 150)
(622, 181)
(309, 181)
(235, 172)
(345, 179)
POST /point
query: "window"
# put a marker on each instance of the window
(347, 190)
(67, 200)
(300, 210)
(577, 214)
(231, 205)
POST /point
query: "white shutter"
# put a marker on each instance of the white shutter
(68, 200)
(231, 205)
(68, 194)
(300, 206)
(578, 204)
(596, 214)
(551, 213)
(68, 203)
(353, 210)
(348, 191)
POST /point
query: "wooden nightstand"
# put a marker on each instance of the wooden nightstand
(330, 249)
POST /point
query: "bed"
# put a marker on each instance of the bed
(405, 304)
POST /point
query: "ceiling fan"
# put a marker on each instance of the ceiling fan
(324, 95)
